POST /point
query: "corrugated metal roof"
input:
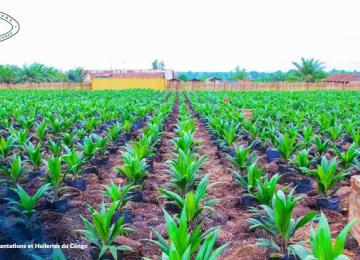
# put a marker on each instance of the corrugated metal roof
(344, 78)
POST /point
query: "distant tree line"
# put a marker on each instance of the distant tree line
(38, 73)
(308, 70)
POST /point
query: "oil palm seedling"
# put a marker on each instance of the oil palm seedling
(243, 158)
(74, 161)
(185, 141)
(5, 147)
(279, 223)
(54, 175)
(229, 132)
(114, 132)
(183, 171)
(335, 132)
(68, 139)
(249, 182)
(16, 170)
(26, 204)
(327, 176)
(134, 169)
(119, 193)
(89, 148)
(266, 189)
(41, 131)
(186, 243)
(101, 143)
(141, 148)
(101, 232)
(308, 134)
(323, 247)
(302, 160)
(34, 155)
(320, 145)
(54, 148)
(355, 135)
(347, 157)
(286, 145)
(194, 202)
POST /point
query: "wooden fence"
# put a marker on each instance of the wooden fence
(259, 86)
(208, 86)
(46, 86)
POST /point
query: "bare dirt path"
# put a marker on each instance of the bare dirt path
(227, 215)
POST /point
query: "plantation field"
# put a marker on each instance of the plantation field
(164, 175)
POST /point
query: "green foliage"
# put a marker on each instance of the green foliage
(34, 155)
(254, 174)
(194, 202)
(327, 176)
(243, 158)
(76, 75)
(310, 70)
(347, 157)
(101, 232)
(5, 147)
(27, 203)
(54, 174)
(279, 222)
(16, 170)
(74, 161)
(266, 189)
(134, 169)
(286, 145)
(114, 132)
(119, 194)
(183, 171)
(239, 74)
(322, 245)
(184, 242)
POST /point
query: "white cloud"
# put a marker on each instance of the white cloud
(200, 35)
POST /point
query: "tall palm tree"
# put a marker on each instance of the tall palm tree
(310, 69)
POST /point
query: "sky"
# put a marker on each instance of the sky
(196, 35)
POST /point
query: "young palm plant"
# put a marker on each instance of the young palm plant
(16, 170)
(327, 176)
(54, 175)
(266, 189)
(183, 242)
(5, 147)
(74, 161)
(322, 244)
(27, 203)
(249, 182)
(102, 232)
(34, 155)
(134, 169)
(183, 171)
(194, 202)
(120, 194)
(347, 157)
(243, 158)
(279, 223)
(286, 145)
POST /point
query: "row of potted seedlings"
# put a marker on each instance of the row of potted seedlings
(113, 218)
(274, 206)
(187, 201)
